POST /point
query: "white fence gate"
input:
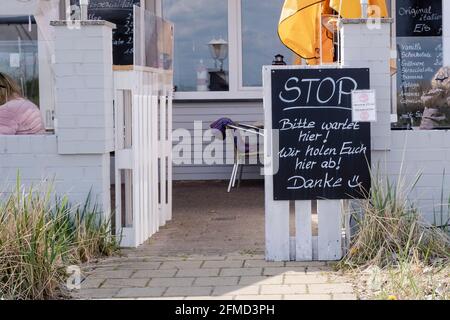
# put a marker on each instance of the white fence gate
(143, 155)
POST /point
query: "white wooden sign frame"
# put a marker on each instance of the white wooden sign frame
(280, 246)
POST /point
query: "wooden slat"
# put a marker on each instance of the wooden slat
(145, 171)
(162, 155)
(155, 169)
(330, 231)
(136, 173)
(169, 157)
(277, 226)
(303, 231)
(117, 139)
(276, 212)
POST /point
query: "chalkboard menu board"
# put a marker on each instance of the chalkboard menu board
(119, 12)
(322, 154)
(419, 55)
(419, 18)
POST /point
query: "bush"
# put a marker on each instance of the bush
(39, 238)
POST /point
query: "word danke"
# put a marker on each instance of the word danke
(300, 182)
(316, 91)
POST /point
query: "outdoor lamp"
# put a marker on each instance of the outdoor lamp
(279, 60)
(219, 51)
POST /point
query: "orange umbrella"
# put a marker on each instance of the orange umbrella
(300, 25)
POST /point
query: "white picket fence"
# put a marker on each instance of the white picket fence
(143, 157)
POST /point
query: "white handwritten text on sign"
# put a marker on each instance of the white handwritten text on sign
(322, 154)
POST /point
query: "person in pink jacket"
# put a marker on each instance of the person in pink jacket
(18, 115)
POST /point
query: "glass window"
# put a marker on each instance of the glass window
(420, 103)
(260, 41)
(19, 54)
(201, 43)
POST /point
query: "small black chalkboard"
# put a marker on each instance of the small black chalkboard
(419, 18)
(322, 154)
(119, 12)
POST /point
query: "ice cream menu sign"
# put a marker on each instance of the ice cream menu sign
(119, 12)
(321, 153)
(419, 54)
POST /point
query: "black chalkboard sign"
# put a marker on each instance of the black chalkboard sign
(119, 12)
(419, 57)
(419, 18)
(322, 154)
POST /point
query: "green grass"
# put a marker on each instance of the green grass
(405, 256)
(41, 236)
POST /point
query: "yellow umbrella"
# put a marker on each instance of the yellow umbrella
(351, 9)
(300, 25)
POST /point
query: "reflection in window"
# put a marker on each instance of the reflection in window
(201, 43)
(260, 41)
(19, 54)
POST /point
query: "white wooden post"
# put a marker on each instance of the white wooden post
(330, 230)
(303, 231)
(276, 212)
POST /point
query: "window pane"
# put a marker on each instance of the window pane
(197, 23)
(260, 42)
(19, 54)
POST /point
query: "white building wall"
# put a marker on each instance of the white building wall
(423, 153)
(84, 88)
(446, 31)
(399, 155)
(184, 115)
(35, 159)
(76, 160)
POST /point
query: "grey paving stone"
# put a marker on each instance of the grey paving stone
(188, 291)
(235, 290)
(241, 272)
(305, 278)
(96, 293)
(262, 263)
(111, 274)
(197, 273)
(139, 265)
(216, 281)
(284, 289)
(223, 264)
(171, 282)
(180, 265)
(125, 283)
(258, 280)
(92, 283)
(140, 292)
(154, 273)
(273, 271)
(306, 264)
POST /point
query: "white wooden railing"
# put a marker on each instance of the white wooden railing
(143, 158)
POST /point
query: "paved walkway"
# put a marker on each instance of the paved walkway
(213, 249)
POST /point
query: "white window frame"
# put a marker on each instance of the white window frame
(235, 79)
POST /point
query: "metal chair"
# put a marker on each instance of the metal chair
(242, 149)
